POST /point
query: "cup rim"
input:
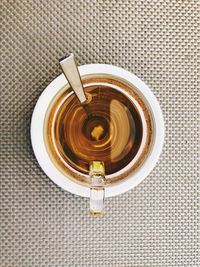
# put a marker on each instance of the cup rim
(38, 144)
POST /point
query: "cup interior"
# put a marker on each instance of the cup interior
(120, 120)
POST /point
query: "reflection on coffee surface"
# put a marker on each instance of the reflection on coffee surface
(108, 129)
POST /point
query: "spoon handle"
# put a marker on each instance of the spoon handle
(71, 72)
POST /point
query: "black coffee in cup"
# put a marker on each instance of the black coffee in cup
(113, 127)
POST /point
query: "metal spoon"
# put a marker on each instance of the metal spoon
(71, 73)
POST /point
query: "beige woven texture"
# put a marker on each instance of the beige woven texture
(156, 224)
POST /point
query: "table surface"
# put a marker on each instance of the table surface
(156, 223)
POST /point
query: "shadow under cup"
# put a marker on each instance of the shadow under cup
(114, 127)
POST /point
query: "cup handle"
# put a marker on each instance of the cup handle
(97, 190)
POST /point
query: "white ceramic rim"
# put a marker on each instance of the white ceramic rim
(37, 124)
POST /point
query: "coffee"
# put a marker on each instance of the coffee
(114, 127)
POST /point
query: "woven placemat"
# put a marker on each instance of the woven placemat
(156, 224)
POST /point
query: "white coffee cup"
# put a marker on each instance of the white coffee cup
(37, 136)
